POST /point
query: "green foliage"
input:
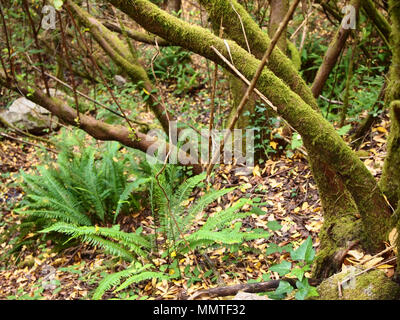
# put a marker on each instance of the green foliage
(134, 274)
(174, 64)
(82, 187)
(112, 240)
(302, 258)
(176, 220)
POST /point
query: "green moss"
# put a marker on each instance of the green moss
(372, 285)
(294, 55)
(259, 42)
(335, 236)
(390, 181)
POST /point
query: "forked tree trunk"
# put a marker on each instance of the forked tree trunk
(315, 130)
(339, 209)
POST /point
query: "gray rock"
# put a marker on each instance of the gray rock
(28, 116)
(249, 296)
(119, 80)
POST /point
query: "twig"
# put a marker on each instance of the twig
(377, 255)
(331, 101)
(26, 142)
(213, 89)
(243, 29)
(243, 78)
(301, 25)
(340, 284)
(35, 37)
(84, 95)
(27, 134)
(90, 55)
(67, 57)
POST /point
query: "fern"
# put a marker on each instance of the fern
(110, 281)
(93, 236)
(217, 230)
(126, 193)
(134, 274)
(140, 277)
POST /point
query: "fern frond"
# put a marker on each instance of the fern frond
(110, 281)
(225, 216)
(127, 192)
(141, 277)
(91, 236)
(202, 203)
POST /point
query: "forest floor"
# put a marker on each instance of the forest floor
(41, 272)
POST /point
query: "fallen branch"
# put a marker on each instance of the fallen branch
(245, 287)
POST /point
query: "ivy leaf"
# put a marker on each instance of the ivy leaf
(273, 248)
(305, 290)
(298, 273)
(58, 4)
(304, 252)
(274, 225)
(297, 142)
(284, 288)
(343, 130)
(282, 268)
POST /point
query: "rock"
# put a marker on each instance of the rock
(372, 285)
(28, 116)
(249, 296)
(119, 80)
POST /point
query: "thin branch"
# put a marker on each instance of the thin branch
(243, 29)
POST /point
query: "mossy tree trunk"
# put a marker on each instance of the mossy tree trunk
(390, 181)
(315, 130)
(339, 209)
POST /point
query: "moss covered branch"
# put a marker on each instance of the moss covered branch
(390, 181)
(120, 53)
(137, 35)
(96, 128)
(314, 129)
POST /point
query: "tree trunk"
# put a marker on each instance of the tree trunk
(331, 55)
(390, 181)
(315, 130)
(278, 10)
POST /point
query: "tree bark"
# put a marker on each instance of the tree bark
(278, 10)
(390, 181)
(331, 56)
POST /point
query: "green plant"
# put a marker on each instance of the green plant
(174, 64)
(112, 240)
(133, 274)
(80, 188)
(302, 258)
(176, 219)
